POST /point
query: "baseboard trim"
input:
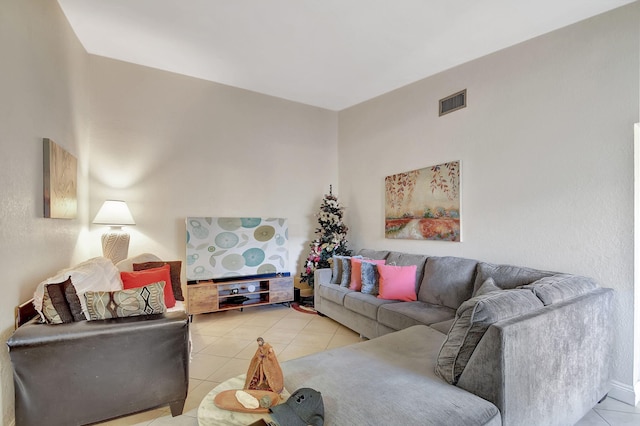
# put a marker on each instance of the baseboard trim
(625, 393)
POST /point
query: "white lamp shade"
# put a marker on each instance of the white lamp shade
(115, 213)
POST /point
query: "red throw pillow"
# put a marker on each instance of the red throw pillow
(150, 276)
(356, 271)
(397, 282)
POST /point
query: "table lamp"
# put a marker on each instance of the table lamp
(115, 241)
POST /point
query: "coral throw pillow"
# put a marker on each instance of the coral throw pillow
(150, 276)
(397, 282)
(356, 271)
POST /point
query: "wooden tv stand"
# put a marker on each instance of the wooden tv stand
(213, 296)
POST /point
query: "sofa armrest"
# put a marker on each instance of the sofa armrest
(549, 367)
(322, 275)
(90, 371)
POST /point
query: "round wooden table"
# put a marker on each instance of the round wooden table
(210, 415)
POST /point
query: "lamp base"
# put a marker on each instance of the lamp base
(115, 245)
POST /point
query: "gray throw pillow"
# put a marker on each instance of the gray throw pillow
(473, 318)
(487, 287)
(345, 276)
(370, 283)
(336, 269)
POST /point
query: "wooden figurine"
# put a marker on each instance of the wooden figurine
(264, 370)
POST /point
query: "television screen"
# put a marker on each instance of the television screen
(234, 247)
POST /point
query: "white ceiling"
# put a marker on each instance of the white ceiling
(327, 53)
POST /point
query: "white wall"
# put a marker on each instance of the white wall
(43, 81)
(174, 146)
(546, 145)
(547, 183)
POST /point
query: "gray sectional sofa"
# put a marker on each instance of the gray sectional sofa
(484, 344)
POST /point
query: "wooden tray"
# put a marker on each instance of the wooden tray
(227, 400)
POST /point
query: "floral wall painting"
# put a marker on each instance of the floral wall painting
(60, 182)
(424, 204)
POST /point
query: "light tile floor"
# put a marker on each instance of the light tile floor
(224, 342)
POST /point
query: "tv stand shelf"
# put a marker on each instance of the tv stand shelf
(213, 296)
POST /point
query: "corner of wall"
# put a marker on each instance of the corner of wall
(625, 393)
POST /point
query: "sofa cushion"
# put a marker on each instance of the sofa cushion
(336, 269)
(370, 278)
(356, 271)
(447, 281)
(145, 300)
(62, 297)
(406, 259)
(488, 286)
(332, 292)
(149, 276)
(443, 326)
(74, 303)
(373, 254)
(345, 276)
(175, 271)
(97, 274)
(402, 315)
(54, 295)
(365, 304)
(49, 313)
(507, 276)
(389, 380)
(560, 287)
(126, 265)
(397, 282)
(473, 318)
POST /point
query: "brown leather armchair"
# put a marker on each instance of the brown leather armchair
(89, 371)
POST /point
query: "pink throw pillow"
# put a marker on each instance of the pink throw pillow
(397, 282)
(150, 276)
(356, 271)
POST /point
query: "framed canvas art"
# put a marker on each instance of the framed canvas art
(424, 204)
(60, 182)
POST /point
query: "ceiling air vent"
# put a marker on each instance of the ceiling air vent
(453, 102)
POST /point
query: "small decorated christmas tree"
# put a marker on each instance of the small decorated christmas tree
(331, 238)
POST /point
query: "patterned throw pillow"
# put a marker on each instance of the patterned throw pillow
(370, 277)
(49, 312)
(60, 303)
(55, 296)
(96, 274)
(144, 300)
(175, 271)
